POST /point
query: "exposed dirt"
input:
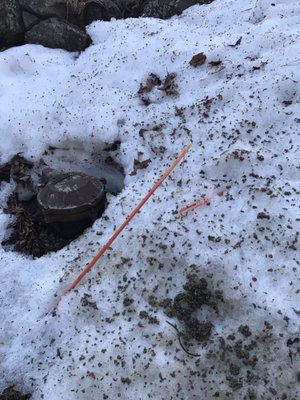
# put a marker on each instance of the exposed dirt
(185, 305)
(16, 168)
(29, 233)
(11, 394)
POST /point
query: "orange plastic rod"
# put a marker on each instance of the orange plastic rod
(193, 206)
(128, 219)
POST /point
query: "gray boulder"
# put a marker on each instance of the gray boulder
(67, 10)
(55, 33)
(46, 8)
(167, 8)
(11, 25)
(83, 12)
(104, 10)
(91, 10)
(29, 20)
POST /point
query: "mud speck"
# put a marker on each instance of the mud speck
(245, 331)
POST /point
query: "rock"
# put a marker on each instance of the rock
(46, 8)
(11, 25)
(167, 8)
(67, 10)
(132, 8)
(95, 10)
(83, 12)
(55, 33)
(107, 9)
(57, 23)
(29, 20)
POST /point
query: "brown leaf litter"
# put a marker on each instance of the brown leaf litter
(197, 60)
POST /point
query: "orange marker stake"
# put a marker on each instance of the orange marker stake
(119, 230)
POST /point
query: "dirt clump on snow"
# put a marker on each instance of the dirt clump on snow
(187, 303)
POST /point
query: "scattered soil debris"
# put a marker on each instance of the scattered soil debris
(169, 85)
(215, 63)
(237, 43)
(258, 67)
(185, 305)
(245, 331)
(15, 169)
(11, 394)
(293, 345)
(151, 82)
(128, 301)
(197, 60)
(251, 58)
(86, 301)
(114, 146)
(263, 215)
(151, 319)
(208, 102)
(139, 165)
(157, 128)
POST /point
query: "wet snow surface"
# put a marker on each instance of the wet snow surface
(224, 275)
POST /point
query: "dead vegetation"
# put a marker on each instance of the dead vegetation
(167, 85)
(197, 60)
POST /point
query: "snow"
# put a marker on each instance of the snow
(244, 243)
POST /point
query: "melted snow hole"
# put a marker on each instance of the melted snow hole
(96, 160)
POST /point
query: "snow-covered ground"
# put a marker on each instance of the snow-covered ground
(110, 338)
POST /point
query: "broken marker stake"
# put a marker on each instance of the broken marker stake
(119, 230)
(193, 206)
(197, 204)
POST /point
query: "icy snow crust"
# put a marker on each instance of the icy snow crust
(244, 243)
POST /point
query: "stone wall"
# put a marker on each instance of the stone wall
(61, 23)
